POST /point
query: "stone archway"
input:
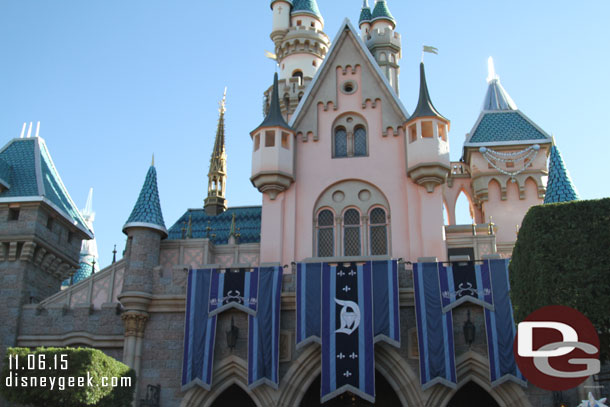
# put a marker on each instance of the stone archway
(391, 365)
(473, 367)
(228, 372)
(472, 394)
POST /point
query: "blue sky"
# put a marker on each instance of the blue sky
(115, 81)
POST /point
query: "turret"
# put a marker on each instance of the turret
(216, 202)
(384, 42)
(364, 22)
(506, 153)
(41, 230)
(273, 150)
(144, 229)
(300, 48)
(427, 141)
(281, 18)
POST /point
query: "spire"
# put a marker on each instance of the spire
(215, 202)
(365, 13)
(306, 7)
(560, 187)
(382, 12)
(425, 108)
(219, 157)
(147, 210)
(496, 98)
(274, 115)
(88, 249)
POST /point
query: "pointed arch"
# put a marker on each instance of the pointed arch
(474, 367)
(304, 371)
(464, 208)
(230, 371)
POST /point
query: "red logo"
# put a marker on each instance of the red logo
(557, 348)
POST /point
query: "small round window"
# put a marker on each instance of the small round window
(349, 87)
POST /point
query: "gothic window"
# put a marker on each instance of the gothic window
(340, 142)
(378, 232)
(350, 137)
(326, 232)
(351, 233)
(359, 141)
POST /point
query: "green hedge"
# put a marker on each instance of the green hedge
(562, 257)
(80, 362)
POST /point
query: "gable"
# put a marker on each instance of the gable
(347, 53)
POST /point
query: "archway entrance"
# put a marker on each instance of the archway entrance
(471, 394)
(233, 396)
(385, 396)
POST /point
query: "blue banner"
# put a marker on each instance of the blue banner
(348, 358)
(309, 286)
(386, 304)
(199, 332)
(235, 288)
(434, 329)
(264, 331)
(464, 281)
(347, 307)
(211, 291)
(500, 326)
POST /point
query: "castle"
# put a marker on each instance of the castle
(345, 172)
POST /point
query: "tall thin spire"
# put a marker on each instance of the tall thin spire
(425, 108)
(215, 202)
(496, 98)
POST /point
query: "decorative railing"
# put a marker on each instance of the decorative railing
(100, 288)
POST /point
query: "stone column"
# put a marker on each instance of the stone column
(135, 322)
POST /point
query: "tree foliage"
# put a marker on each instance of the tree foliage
(33, 365)
(562, 257)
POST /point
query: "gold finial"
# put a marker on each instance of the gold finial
(490, 229)
(222, 104)
(152, 164)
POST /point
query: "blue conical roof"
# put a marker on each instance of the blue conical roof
(365, 14)
(560, 187)
(147, 211)
(306, 6)
(381, 11)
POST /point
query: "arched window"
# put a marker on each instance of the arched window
(359, 141)
(298, 74)
(351, 233)
(350, 132)
(340, 142)
(379, 232)
(326, 232)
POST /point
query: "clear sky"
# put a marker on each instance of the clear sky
(115, 81)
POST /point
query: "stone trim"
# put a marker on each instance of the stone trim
(71, 338)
